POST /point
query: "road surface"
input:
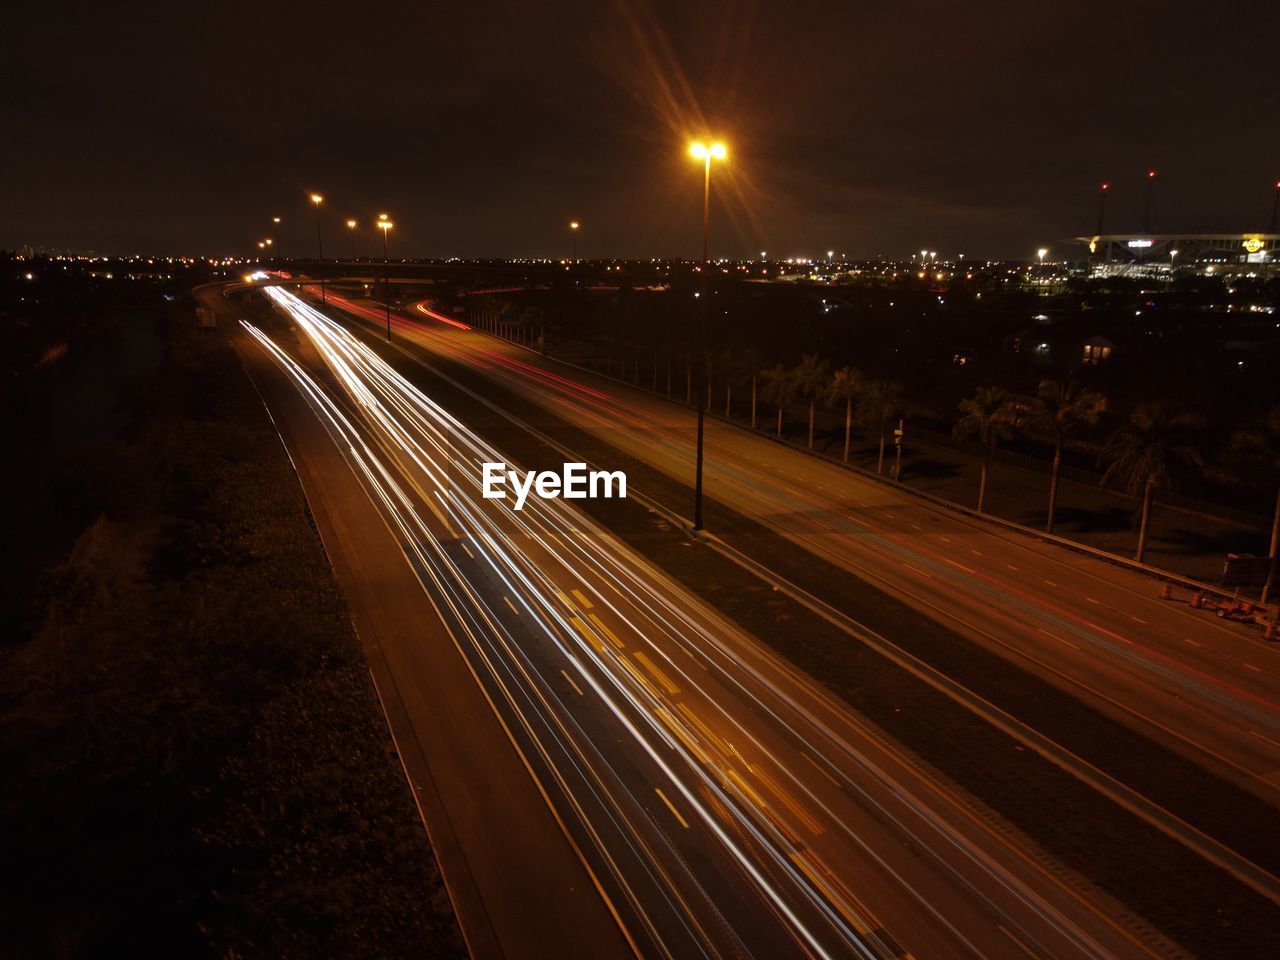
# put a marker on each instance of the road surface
(721, 803)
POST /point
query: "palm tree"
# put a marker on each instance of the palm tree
(988, 418)
(1053, 416)
(747, 364)
(1155, 450)
(845, 385)
(811, 382)
(779, 388)
(729, 362)
(878, 401)
(1261, 441)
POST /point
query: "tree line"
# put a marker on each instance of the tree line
(1157, 448)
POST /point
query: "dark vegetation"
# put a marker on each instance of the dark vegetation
(1207, 911)
(195, 760)
(832, 366)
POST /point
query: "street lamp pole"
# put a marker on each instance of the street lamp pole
(351, 225)
(275, 234)
(573, 242)
(317, 200)
(705, 154)
(385, 226)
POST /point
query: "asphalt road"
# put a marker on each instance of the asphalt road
(1208, 689)
(720, 802)
(1201, 688)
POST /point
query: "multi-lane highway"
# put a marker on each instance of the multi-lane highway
(1194, 687)
(1206, 688)
(709, 799)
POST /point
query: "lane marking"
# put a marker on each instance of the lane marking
(582, 598)
(663, 680)
(613, 638)
(508, 602)
(587, 634)
(572, 684)
(670, 806)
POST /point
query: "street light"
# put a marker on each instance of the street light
(574, 225)
(704, 153)
(317, 200)
(275, 233)
(385, 226)
(351, 225)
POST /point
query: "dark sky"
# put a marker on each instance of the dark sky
(482, 128)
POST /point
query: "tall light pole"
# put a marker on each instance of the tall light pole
(704, 153)
(385, 226)
(574, 226)
(275, 234)
(351, 225)
(1102, 206)
(316, 199)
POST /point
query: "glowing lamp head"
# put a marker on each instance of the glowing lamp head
(700, 151)
(275, 219)
(351, 224)
(317, 199)
(574, 225)
(1041, 252)
(1106, 187)
(1151, 174)
(385, 224)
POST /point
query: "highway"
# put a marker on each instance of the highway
(1208, 689)
(1188, 685)
(718, 802)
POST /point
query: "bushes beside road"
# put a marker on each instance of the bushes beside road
(195, 759)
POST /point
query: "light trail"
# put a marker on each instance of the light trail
(648, 672)
(1167, 673)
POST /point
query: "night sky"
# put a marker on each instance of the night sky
(482, 128)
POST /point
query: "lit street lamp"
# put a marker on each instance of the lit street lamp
(275, 233)
(351, 225)
(317, 200)
(385, 226)
(704, 153)
(574, 225)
